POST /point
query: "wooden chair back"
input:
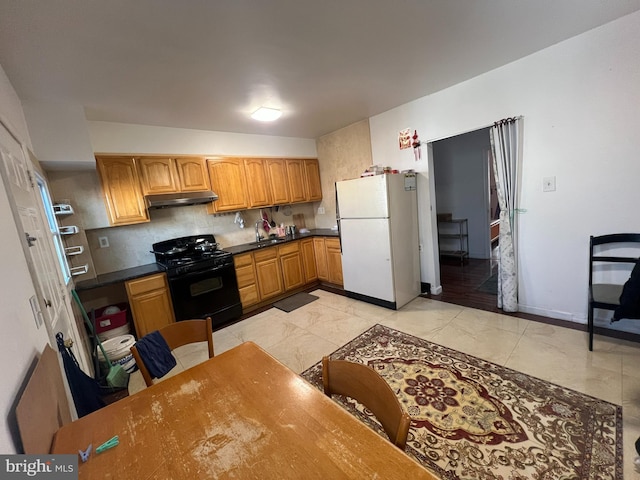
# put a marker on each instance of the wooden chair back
(43, 407)
(606, 295)
(365, 385)
(176, 335)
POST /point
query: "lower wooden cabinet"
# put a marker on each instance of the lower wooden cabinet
(309, 260)
(150, 302)
(246, 276)
(268, 273)
(328, 259)
(334, 260)
(321, 259)
(291, 263)
(273, 271)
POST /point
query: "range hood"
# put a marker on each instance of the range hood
(180, 199)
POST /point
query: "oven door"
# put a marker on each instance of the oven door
(207, 293)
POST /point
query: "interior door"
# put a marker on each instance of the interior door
(38, 249)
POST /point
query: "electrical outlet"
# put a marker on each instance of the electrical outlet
(104, 242)
(320, 210)
(549, 184)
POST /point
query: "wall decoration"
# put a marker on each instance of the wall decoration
(404, 138)
(417, 154)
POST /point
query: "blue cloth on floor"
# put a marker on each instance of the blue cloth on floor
(156, 354)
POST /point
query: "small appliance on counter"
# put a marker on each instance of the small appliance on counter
(202, 279)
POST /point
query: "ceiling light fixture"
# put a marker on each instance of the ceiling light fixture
(264, 114)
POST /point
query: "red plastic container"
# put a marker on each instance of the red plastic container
(105, 323)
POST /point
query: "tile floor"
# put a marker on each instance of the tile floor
(559, 355)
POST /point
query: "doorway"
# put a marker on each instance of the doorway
(464, 191)
(27, 191)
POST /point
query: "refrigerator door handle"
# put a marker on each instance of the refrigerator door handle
(335, 189)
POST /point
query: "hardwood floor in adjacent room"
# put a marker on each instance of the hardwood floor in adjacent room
(460, 282)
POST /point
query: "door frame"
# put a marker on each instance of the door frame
(437, 289)
(66, 311)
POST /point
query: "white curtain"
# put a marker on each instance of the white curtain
(506, 141)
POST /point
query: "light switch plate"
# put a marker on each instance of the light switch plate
(104, 242)
(549, 184)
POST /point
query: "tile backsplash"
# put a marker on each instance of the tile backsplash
(130, 246)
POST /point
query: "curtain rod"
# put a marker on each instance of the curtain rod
(506, 120)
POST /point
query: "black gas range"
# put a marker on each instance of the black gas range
(201, 277)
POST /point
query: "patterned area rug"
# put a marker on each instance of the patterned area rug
(473, 419)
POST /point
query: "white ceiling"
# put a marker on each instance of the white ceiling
(206, 64)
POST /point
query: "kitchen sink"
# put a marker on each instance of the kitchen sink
(267, 242)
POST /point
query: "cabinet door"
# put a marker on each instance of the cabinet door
(308, 260)
(321, 258)
(295, 174)
(278, 180)
(122, 191)
(246, 275)
(313, 188)
(291, 263)
(158, 175)
(228, 181)
(268, 273)
(150, 302)
(257, 184)
(192, 174)
(334, 260)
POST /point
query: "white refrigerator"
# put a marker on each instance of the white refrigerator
(378, 223)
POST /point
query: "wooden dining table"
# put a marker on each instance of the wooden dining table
(242, 415)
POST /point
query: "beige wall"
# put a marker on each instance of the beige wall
(343, 154)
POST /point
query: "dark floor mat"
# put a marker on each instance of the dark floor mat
(295, 301)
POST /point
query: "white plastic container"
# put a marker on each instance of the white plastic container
(118, 349)
(114, 332)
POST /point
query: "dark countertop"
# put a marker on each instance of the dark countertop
(118, 276)
(248, 247)
(151, 268)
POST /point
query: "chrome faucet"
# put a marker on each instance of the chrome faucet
(258, 236)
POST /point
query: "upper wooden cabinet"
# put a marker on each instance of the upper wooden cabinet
(313, 188)
(122, 191)
(278, 180)
(296, 178)
(243, 183)
(172, 175)
(228, 180)
(158, 175)
(192, 174)
(258, 189)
